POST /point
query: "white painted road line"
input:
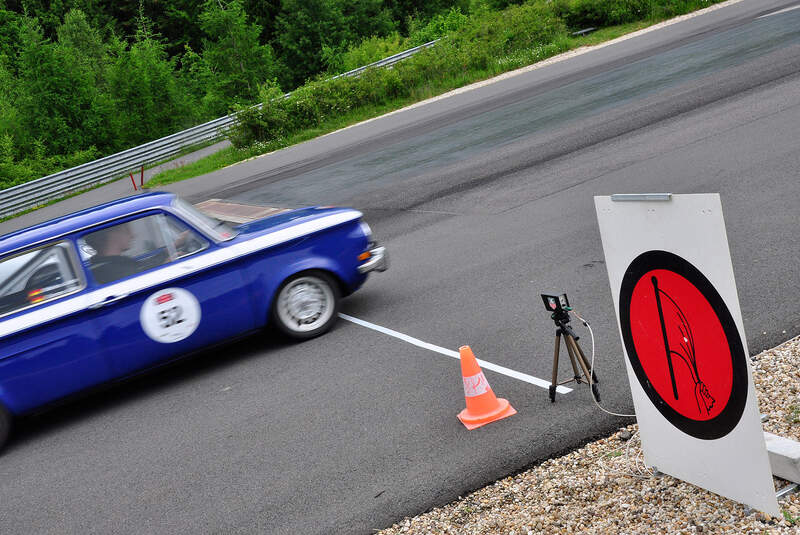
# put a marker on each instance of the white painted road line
(454, 354)
(781, 11)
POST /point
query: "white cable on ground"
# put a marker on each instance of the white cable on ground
(591, 371)
(635, 471)
(639, 472)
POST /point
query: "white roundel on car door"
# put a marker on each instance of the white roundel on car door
(170, 315)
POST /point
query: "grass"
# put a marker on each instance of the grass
(789, 518)
(607, 34)
(430, 88)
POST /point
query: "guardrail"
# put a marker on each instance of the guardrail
(37, 192)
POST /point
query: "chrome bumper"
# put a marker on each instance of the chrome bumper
(378, 260)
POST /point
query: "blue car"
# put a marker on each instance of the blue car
(105, 293)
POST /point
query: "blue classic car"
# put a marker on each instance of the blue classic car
(107, 292)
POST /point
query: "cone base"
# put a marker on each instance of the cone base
(472, 421)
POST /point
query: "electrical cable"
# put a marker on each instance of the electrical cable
(636, 471)
(591, 371)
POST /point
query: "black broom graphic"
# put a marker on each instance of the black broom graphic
(686, 352)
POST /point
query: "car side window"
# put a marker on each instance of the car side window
(37, 276)
(128, 248)
(124, 249)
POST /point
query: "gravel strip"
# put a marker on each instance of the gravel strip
(605, 487)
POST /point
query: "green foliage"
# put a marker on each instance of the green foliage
(376, 48)
(404, 11)
(37, 164)
(78, 34)
(177, 22)
(592, 13)
(303, 27)
(792, 520)
(233, 56)
(263, 13)
(436, 27)
(267, 122)
(368, 51)
(55, 79)
(502, 4)
(310, 33)
(470, 47)
(10, 24)
(144, 94)
(492, 37)
(81, 79)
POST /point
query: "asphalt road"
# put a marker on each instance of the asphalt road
(485, 200)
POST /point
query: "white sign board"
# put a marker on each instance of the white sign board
(686, 354)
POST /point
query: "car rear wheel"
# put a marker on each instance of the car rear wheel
(306, 305)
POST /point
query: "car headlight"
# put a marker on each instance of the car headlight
(366, 230)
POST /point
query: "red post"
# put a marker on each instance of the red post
(133, 182)
(141, 178)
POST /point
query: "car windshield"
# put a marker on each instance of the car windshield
(219, 230)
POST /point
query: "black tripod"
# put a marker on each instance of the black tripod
(576, 356)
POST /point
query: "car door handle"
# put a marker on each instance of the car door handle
(108, 300)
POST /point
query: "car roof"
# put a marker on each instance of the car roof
(78, 220)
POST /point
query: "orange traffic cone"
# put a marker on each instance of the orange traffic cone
(483, 406)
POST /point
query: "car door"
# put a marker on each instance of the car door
(167, 296)
(49, 348)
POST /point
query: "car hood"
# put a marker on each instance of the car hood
(291, 218)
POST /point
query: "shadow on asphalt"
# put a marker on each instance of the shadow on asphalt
(150, 382)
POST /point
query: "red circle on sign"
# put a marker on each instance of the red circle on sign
(696, 349)
(683, 345)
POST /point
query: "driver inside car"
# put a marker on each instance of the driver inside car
(110, 264)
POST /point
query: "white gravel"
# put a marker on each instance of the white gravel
(604, 487)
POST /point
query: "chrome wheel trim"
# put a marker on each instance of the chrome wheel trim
(305, 304)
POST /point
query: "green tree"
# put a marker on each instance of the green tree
(405, 10)
(303, 28)
(147, 100)
(366, 18)
(51, 13)
(8, 112)
(233, 54)
(9, 34)
(176, 21)
(78, 34)
(56, 93)
(198, 82)
(263, 13)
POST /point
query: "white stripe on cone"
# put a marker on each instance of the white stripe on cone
(475, 385)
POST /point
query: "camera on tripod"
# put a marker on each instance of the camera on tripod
(556, 303)
(559, 306)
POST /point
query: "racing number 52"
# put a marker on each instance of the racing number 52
(171, 316)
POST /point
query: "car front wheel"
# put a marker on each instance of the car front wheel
(306, 305)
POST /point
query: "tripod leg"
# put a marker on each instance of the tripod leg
(584, 365)
(572, 359)
(554, 382)
(586, 361)
(572, 345)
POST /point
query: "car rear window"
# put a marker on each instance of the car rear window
(36, 276)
